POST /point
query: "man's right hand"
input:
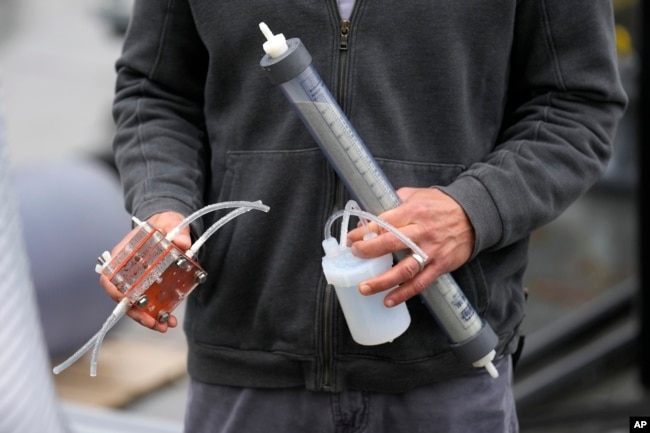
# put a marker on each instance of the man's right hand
(165, 222)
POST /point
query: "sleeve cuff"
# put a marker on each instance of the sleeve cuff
(481, 210)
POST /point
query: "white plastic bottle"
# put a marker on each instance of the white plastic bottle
(369, 320)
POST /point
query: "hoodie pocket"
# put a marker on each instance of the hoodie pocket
(264, 270)
(419, 174)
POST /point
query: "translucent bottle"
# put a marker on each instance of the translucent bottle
(369, 320)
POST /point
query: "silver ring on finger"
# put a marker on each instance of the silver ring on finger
(418, 258)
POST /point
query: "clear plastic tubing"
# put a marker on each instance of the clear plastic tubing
(123, 306)
(288, 65)
(244, 207)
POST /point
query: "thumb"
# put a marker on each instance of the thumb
(166, 222)
(183, 240)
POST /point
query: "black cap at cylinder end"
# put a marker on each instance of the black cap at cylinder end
(289, 65)
(476, 347)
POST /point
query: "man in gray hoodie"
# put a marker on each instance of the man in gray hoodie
(490, 117)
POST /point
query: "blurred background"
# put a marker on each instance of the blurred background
(581, 368)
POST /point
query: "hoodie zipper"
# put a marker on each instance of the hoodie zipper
(344, 42)
(339, 192)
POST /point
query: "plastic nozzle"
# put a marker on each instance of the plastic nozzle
(486, 362)
(275, 45)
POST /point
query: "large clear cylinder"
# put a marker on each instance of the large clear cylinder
(472, 339)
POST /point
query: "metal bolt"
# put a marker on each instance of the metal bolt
(143, 301)
(181, 262)
(200, 276)
(163, 317)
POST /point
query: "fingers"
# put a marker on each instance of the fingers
(382, 244)
(431, 219)
(411, 288)
(112, 291)
(166, 222)
(151, 323)
(393, 217)
(136, 314)
(409, 277)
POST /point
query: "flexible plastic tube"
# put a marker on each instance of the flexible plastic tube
(207, 209)
(350, 205)
(117, 314)
(75, 356)
(96, 340)
(357, 212)
(221, 222)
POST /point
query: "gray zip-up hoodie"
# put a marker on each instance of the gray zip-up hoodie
(509, 106)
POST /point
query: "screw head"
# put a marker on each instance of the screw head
(143, 301)
(163, 317)
(200, 276)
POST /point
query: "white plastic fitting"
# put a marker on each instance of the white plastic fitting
(275, 45)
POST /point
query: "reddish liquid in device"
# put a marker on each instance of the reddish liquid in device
(153, 273)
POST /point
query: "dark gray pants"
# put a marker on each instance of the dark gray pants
(474, 404)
